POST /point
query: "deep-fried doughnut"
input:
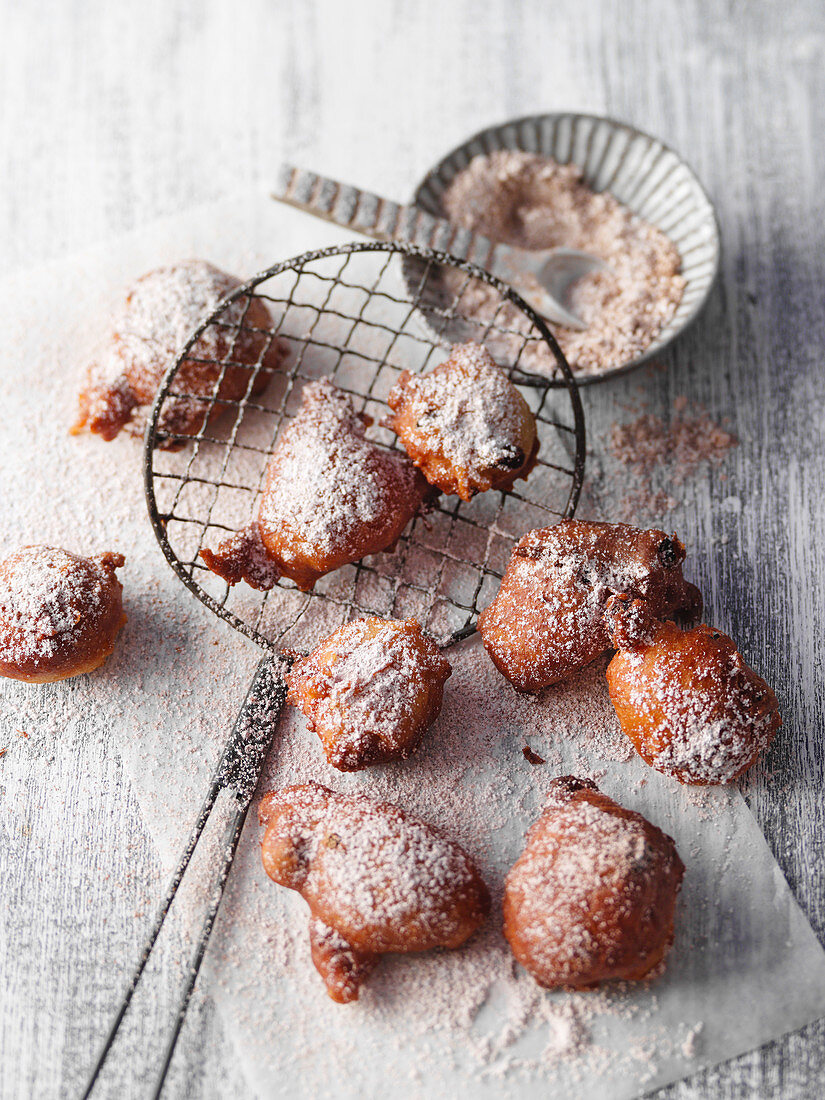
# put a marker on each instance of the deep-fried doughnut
(592, 896)
(150, 328)
(376, 880)
(59, 613)
(465, 425)
(331, 497)
(686, 700)
(547, 619)
(370, 690)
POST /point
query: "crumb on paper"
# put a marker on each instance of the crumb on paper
(691, 1044)
(532, 757)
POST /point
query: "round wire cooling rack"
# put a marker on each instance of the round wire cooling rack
(351, 314)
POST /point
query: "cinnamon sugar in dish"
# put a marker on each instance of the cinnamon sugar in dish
(530, 201)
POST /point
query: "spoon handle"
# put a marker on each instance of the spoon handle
(378, 217)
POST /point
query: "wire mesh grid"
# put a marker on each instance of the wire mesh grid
(351, 314)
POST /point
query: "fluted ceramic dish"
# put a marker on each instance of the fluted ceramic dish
(639, 170)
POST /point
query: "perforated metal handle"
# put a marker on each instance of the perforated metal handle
(377, 217)
(238, 772)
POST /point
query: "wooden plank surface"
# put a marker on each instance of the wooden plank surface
(113, 114)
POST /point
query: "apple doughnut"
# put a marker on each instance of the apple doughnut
(376, 880)
(148, 331)
(370, 690)
(686, 700)
(59, 613)
(331, 497)
(592, 896)
(464, 424)
(547, 620)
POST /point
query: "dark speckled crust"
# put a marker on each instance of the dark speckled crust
(547, 620)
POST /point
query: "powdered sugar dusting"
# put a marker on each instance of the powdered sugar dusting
(547, 618)
(683, 444)
(383, 879)
(654, 463)
(582, 899)
(328, 481)
(468, 411)
(144, 335)
(699, 713)
(161, 311)
(48, 598)
(375, 684)
(476, 997)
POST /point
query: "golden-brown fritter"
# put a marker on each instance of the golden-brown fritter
(592, 896)
(464, 424)
(160, 312)
(547, 620)
(59, 613)
(331, 497)
(370, 690)
(376, 880)
(686, 700)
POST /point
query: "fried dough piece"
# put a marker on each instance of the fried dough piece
(149, 330)
(465, 425)
(370, 690)
(343, 970)
(686, 700)
(331, 497)
(547, 619)
(592, 896)
(59, 613)
(376, 880)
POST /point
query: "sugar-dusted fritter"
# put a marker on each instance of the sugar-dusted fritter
(547, 619)
(149, 330)
(464, 424)
(59, 613)
(331, 497)
(592, 896)
(376, 880)
(688, 702)
(370, 690)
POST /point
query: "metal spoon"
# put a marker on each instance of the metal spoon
(544, 279)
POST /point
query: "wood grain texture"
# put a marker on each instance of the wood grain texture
(114, 113)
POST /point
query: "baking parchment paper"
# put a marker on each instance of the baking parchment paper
(746, 966)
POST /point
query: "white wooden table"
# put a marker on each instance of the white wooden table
(112, 114)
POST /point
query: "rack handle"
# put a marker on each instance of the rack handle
(238, 771)
(377, 217)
